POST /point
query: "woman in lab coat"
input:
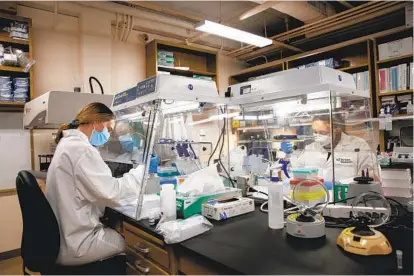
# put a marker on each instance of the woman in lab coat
(80, 185)
(351, 154)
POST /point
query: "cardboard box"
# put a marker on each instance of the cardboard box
(192, 205)
(395, 48)
(227, 208)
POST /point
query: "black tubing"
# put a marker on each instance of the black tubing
(90, 84)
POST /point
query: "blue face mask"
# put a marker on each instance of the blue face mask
(99, 138)
(127, 142)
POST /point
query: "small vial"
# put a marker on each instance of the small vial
(399, 259)
(151, 220)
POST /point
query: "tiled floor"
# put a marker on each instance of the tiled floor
(11, 266)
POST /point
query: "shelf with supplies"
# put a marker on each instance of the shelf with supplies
(396, 59)
(164, 56)
(184, 72)
(393, 57)
(393, 93)
(7, 39)
(11, 106)
(17, 85)
(11, 69)
(355, 68)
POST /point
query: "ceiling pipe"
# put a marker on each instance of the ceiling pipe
(130, 28)
(345, 4)
(258, 9)
(116, 26)
(318, 23)
(391, 7)
(332, 27)
(347, 17)
(152, 17)
(160, 9)
(124, 24)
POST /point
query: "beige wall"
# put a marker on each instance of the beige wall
(11, 223)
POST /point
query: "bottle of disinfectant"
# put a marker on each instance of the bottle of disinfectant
(275, 203)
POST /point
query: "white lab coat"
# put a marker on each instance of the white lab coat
(79, 186)
(348, 163)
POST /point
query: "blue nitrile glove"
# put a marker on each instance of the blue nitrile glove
(127, 142)
(286, 147)
(153, 167)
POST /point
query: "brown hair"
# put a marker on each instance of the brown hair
(93, 112)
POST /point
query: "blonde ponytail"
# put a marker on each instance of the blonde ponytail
(92, 113)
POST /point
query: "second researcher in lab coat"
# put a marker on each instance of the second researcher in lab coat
(351, 154)
(80, 185)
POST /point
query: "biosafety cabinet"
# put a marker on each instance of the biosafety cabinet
(173, 123)
(168, 123)
(318, 110)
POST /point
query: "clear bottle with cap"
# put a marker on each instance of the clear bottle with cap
(409, 108)
(168, 202)
(388, 119)
(381, 119)
(275, 203)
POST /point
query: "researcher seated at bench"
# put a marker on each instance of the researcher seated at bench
(351, 154)
(80, 185)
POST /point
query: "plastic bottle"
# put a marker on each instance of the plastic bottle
(275, 204)
(388, 119)
(409, 108)
(381, 119)
(168, 204)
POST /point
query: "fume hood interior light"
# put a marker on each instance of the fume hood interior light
(215, 118)
(232, 33)
(265, 117)
(246, 118)
(178, 107)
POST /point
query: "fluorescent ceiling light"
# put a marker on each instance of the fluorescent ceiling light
(232, 33)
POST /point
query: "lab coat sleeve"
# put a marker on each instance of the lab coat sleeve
(94, 182)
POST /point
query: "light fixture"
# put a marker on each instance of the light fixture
(232, 33)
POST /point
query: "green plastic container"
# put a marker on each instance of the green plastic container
(340, 191)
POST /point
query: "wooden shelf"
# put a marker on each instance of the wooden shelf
(200, 61)
(393, 93)
(186, 72)
(11, 69)
(394, 59)
(400, 116)
(14, 41)
(355, 67)
(11, 106)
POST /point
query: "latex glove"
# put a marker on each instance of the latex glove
(286, 147)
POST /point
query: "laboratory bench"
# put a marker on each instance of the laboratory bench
(245, 245)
